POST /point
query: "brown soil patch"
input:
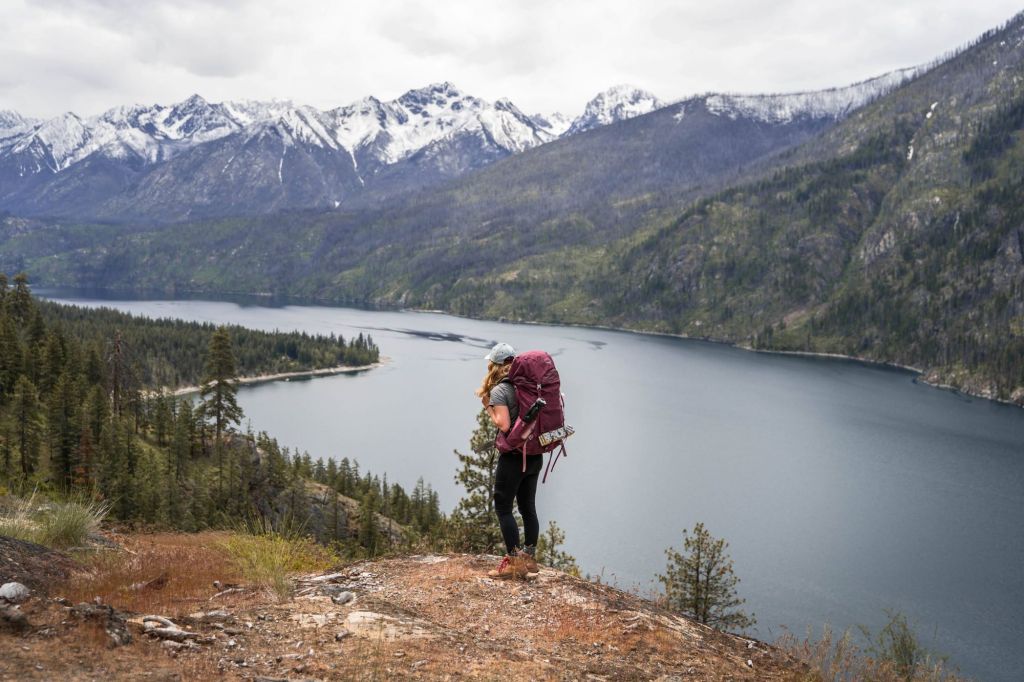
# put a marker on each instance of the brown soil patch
(418, 617)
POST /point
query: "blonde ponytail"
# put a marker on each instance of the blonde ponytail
(495, 373)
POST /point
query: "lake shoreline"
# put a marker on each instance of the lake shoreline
(936, 382)
(282, 376)
(921, 374)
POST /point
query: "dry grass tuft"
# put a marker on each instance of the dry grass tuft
(268, 559)
(454, 571)
(833, 658)
(576, 626)
(61, 524)
(367, 659)
(190, 563)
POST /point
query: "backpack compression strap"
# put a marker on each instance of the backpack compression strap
(552, 460)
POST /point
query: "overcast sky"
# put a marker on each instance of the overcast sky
(545, 55)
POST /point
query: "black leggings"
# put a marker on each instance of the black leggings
(512, 483)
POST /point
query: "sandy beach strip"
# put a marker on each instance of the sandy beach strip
(281, 376)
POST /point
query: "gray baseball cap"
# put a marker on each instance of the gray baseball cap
(500, 353)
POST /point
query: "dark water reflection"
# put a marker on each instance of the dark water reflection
(843, 489)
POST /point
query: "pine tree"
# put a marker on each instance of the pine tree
(25, 408)
(700, 583)
(53, 356)
(474, 521)
(20, 300)
(218, 393)
(82, 472)
(119, 374)
(549, 554)
(369, 534)
(117, 480)
(10, 356)
(161, 418)
(332, 474)
(180, 449)
(63, 429)
(96, 409)
(6, 453)
(344, 485)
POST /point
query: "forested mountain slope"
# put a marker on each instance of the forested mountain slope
(590, 188)
(897, 235)
(905, 244)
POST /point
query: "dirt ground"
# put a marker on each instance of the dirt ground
(418, 617)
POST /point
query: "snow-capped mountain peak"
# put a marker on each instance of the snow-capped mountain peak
(438, 126)
(13, 125)
(12, 119)
(615, 104)
(427, 115)
(834, 103)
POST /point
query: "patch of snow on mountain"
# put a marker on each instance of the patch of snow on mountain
(13, 124)
(359, 123)
(615, 104)
(554, 124)
(55, 143)
(833, 103)
(247, 112)
(307, 125)
(13, 120)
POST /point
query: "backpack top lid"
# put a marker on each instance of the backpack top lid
(533, 367)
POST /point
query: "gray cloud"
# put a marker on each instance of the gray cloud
(89, 55)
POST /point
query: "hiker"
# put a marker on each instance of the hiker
(517, 473)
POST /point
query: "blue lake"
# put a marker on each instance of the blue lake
(843, 489)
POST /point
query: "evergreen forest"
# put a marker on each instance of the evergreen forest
(83, 416)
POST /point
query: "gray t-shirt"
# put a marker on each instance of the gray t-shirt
(505, 394)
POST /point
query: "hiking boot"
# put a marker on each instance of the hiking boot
(509, 567)
(529, 563)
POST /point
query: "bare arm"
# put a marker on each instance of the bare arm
(499, 415)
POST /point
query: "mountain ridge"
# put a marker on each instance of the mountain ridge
(125, 163)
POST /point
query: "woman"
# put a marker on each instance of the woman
(511, 482)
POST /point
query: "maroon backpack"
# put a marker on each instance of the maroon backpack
(534, 376)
